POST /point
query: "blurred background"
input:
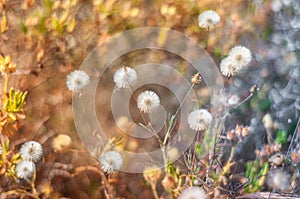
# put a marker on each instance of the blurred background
(49, 39)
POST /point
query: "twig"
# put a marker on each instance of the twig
(295, 132)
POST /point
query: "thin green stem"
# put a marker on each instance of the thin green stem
(172, 120)
(245, 100)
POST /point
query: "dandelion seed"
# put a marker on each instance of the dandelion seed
(77, 80)
(240, 56)
(199, 119)
(208, 19)
(31, 151)
(25, 169)
(125, 77)
(111, 161)
(147, 101)
(192, 193)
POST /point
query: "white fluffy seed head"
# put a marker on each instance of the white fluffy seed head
(111, 161)
(77, 80)
(199, 119)
(227, 67)
(192, 193)
(125, 77)
(279, 180)
(240, 56)
(25, 169)
(147, 101)
(31, 151)
(208, 19)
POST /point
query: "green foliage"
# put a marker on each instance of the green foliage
(23, 27)
(172, 170)
(267, 32)
(15, 102)
(281, 137)
(256, 174)
(218, 52)
(260, 103)
(8, 160)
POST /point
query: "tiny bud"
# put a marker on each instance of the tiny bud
(196, 79)
(254, 89)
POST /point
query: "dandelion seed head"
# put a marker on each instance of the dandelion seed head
(31, 151)
(240, 56)
(192, 193)
(125, 77)
(25, 169)
(199, 119)
(147, 101)
(208, 19)
(77, 80)
(111, 161)
(227, 67)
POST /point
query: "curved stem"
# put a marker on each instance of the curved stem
(153, 187)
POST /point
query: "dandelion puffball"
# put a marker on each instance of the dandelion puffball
(77, 80)
(31, 151)
(111, 161)
(25, 169)
(125, 77)
(238, 58)
(227, 68)
(199, 119)
(192, 192)
(147, 100)
(240, 55)
(208, 19)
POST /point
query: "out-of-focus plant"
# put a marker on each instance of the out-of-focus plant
(12, 104)
(52, 18)
(49, 23)
(256, 174)
(8, 160)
